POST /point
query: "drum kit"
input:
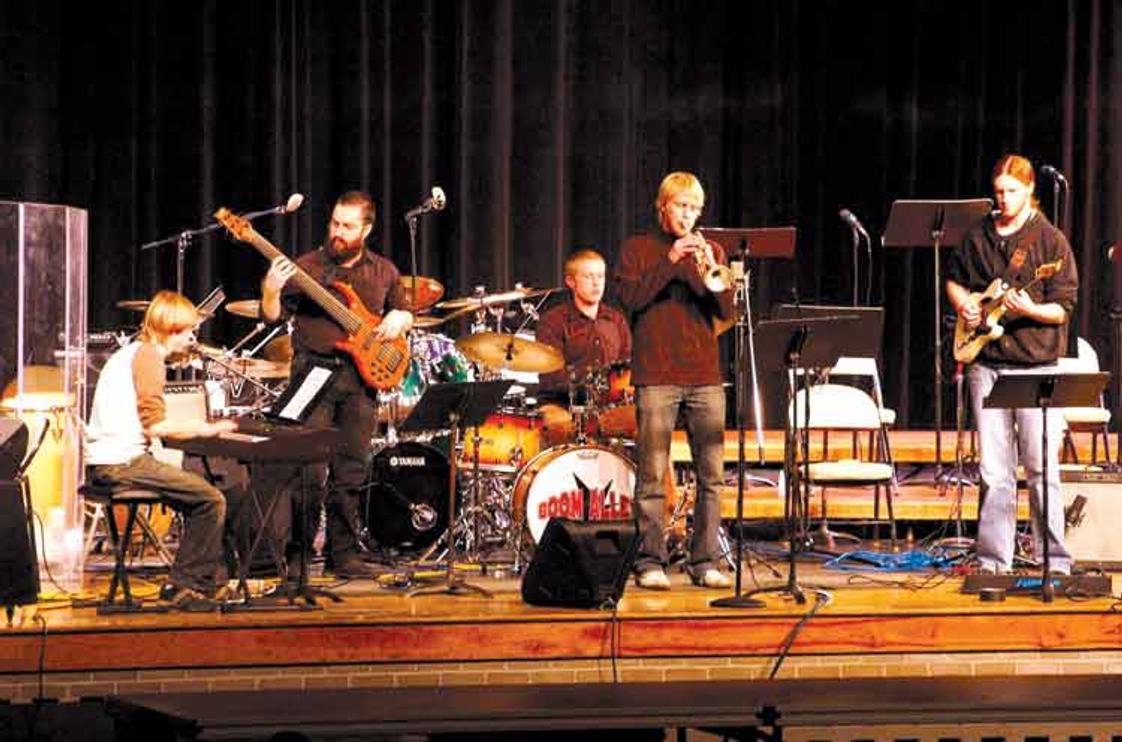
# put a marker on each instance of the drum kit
(514, 471)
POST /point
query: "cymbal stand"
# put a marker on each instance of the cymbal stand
(241, 375)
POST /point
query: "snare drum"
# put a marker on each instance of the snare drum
(507, 439)
(551, 487)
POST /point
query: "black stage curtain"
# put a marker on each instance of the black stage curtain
(549, 124)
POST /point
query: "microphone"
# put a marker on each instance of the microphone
(294, 202)
(1055, 174)
(854, 223)
(435, 202)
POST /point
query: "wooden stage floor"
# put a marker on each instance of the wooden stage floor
(863, 613)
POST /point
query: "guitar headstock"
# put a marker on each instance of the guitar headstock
(1049, 269)
(237, 225)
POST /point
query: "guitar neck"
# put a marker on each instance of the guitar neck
(311, 287)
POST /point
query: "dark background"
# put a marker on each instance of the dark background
(549, 124)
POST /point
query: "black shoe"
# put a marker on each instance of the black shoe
(355, 568)
(187, 599)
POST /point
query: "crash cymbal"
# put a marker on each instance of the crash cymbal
(501, 350)
(246, 308)
(278, 349)
(505, 297)
(133, 305)
(429, 291)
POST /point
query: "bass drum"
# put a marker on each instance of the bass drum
(556, 482)
(407, 497)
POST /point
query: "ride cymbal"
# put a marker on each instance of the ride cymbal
(502, 350)
(428, 292)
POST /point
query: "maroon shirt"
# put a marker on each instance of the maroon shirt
(586, 343)
(374, 279)
(672, 313)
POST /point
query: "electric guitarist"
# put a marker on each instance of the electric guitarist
(1017, 245)
(351, 404)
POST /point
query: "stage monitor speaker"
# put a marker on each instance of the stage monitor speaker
(19, 569)
(13, 447)
(1092, 512)
(581, 564)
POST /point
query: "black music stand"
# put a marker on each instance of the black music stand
(1045, 390)
(793, 345)
(937, 224)
(740, 244)
(454, 407)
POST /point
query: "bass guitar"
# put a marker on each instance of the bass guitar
(969, 343)
(381, 363)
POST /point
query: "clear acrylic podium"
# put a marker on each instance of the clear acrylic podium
(43, 362)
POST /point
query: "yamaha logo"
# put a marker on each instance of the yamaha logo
(396, 461)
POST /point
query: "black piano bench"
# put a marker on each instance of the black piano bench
(108, 497)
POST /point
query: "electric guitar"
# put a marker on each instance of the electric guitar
(381, 363)
(969, 343)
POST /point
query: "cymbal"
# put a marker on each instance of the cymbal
(502, 350)
(429, 291)
(133, 305)
(278, 349)
(245, 308)
(258, 368)
(505, 297)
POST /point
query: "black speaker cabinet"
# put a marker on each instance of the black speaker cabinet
(19, 570)
(581, 564)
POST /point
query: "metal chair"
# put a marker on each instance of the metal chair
(837, 407)
(1093, 420)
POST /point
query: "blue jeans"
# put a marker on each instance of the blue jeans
(1001, 434)
(657, 410)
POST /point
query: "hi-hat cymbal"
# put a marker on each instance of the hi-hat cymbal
(501, 350)
(505, 297)
(133, 305)
(246, 308)
(429, 291)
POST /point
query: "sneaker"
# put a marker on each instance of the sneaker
(186, 599)
(712, 578)
(653, 579)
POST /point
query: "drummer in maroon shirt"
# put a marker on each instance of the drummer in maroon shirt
(591, 335)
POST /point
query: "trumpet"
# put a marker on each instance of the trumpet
(714, 275)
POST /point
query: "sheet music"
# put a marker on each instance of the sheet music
(307, 392)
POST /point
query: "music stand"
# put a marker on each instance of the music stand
(454, 406)
(1044, 390)
(740, 244)
(940, 223)
(794, 345)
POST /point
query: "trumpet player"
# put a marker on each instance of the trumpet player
(671, 281)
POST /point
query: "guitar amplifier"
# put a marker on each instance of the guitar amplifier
(1092, 512)
(187, 401)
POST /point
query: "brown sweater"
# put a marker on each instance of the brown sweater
(672, 313)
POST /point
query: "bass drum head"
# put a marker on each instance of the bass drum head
(557, 481)
(407, 497)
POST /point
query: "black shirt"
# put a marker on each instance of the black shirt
(984, 255)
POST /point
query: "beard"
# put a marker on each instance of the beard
(341, 251)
